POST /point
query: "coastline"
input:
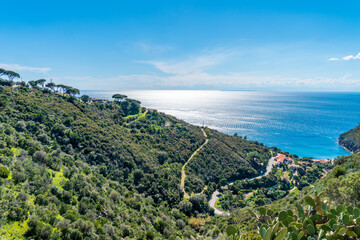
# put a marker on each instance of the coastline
(242, 112)
(345, 148)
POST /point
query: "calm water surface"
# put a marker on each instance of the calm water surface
(306, 124)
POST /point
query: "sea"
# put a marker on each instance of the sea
(307, 124)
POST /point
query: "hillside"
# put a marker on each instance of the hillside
(330, 206)
(74, 169)
(351, 139)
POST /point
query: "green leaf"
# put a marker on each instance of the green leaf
(332, 223)
(315, 217)
(350, 233)
(275, 228)
(350, 209)
(356, 212)
(310, 201)
(357, 230)
(321, 194)
(300, 210)
(334, 212)
(262, 211)
(290, 213)
(282, 234)
(282, 215)
(263, 232)
(324, 207)
(340, 208)
(346, 219)
(342, 231)
(268, 234)
(310, 229)
(231, 231)
(287, 221)
(326, 228)
(264, 226)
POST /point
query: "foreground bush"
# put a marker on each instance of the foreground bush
(315, 220)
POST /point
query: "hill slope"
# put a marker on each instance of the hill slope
(351, 139)
(74, 170)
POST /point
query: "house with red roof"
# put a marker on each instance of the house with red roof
(320, 161)
(282, 158)
(97, 100)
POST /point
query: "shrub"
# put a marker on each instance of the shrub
(196, 223)
(4, 172)
(315, 221)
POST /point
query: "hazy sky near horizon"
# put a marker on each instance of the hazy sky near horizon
(227, 45)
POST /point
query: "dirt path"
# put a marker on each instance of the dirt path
(183, 175)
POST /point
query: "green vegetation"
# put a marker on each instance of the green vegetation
(351, 139)
(315, 220)
(73, 169)
(280, 182)
(214, 165)
(331, 214)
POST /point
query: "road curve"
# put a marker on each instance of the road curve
(216, 194)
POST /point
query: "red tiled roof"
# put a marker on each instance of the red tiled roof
(280, 158)
(321, 160)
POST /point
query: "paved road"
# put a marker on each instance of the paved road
(216, 195)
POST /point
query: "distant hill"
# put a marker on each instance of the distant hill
(351, 139)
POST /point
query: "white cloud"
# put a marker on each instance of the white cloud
(193, 72)
(346, 58)
(17, 67)
(192, 65)
(352, 57)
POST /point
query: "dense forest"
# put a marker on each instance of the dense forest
(351, 139)
(73, 168)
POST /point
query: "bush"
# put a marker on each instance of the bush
(4, 172)
(196, 223)
(316, 221)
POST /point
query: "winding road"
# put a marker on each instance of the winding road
(216, 195)
(183, 175)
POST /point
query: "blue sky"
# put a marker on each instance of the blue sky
(229, 45)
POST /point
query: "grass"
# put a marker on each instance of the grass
(138, 116)
(58, 178)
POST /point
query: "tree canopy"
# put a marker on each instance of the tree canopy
(50, 85)
(119, 97)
